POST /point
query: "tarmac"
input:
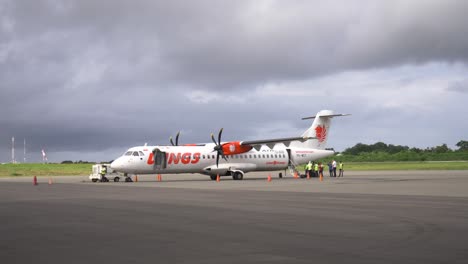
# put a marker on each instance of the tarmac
(364, 217)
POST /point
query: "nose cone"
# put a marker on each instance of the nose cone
(117, 164)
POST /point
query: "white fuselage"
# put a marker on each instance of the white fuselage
(202, 159)
(240, 156)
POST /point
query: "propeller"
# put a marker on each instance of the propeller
(176, 140)
(218, 147)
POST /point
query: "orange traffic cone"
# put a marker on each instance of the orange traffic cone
(50, 180)
(218, 179)
(136, 178)
(35, 180)
(269, 178)
(159, 177)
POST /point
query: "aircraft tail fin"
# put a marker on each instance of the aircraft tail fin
(319, 130)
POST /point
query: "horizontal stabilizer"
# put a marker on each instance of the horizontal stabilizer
(334, 115)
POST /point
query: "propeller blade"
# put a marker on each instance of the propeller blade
(177, 139)
(172, 142)
(219, 136)
(218, 147)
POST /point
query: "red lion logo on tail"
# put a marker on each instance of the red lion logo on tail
(321, 133)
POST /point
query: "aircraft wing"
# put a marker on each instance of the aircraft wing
(271, 142)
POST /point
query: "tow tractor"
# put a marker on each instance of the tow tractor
(96, 175)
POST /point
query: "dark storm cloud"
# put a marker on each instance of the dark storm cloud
(83, 76)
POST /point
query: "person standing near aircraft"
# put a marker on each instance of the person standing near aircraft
(330, 168)
(103, 174)
(320, 169)
(309, 169)
(341, 169)
(316, 170)
(334, 168)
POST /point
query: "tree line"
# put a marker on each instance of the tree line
(388, 152)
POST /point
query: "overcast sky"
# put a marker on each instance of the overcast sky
(86, 79)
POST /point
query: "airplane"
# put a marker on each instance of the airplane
(232, 158)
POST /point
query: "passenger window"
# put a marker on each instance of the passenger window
(213, 156)
(203, 157)
(276, 156)
(263, 155)
(208, 156)
(250, 156)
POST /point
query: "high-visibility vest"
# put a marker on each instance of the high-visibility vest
(309, 166)
(341, 166)
(316, 167)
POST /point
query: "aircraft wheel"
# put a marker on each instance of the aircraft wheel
(237, 176)
(213, 177)
(116, 179)
(128, 179)
(94, 180)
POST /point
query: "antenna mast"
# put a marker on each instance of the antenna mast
(24, 153)
(13, 150)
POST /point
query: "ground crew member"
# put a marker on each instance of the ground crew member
(316, 170)
(330, 168)
(334, 168)
(309, 168)
(103, 174)
(320, 169)
(341, 169)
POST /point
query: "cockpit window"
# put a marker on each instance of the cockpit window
(128, 153)
(141, 153)
(135, 153)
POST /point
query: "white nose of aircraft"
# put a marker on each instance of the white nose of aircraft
(117, 164)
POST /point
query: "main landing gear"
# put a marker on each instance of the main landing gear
(237, 175)
(127, 178)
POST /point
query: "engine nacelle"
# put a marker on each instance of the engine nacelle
(233, 148)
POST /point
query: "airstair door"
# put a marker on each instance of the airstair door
(160, 162)
(289, 156)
